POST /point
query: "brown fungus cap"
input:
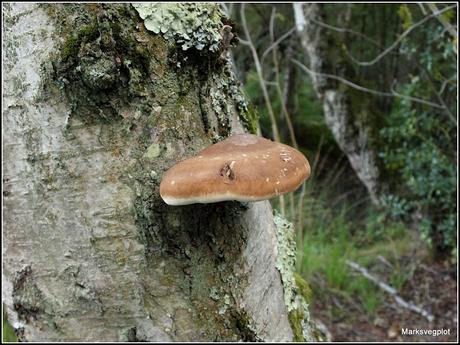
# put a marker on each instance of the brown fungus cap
(243, 167)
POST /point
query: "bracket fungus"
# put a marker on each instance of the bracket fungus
(243, 167)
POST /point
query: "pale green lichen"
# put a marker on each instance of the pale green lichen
(214, 294)
(195, 25)
(223, 88)
(297, 306)
(219, 100)
(152, 152)
(249, 118)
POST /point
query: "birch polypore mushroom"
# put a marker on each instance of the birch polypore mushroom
(243, 167)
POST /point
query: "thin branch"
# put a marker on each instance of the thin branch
(401, 37)
(276, 43)
(392, 291)
(244, 42)
(339, 29)
(278, 82)
(303, 190)
(449, 27)
(422, 8)
(345, 30)
(438, 96)
(269, 83)
(285, 112)
(259, 73)
(287, 84)
(263, 86)
(445, 82)
(364, 89)
(383, 260)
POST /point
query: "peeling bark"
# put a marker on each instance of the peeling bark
(95, 109)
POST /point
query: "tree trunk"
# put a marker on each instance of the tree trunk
(346, 112)
(96, 107)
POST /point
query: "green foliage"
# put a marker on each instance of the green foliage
(400, 275)
(307, 116)
(419, 151)
(335, 269)
(406, 16)
(416, 144)
(377, 229)
(370, 295)
(333, 236)
(449, 15)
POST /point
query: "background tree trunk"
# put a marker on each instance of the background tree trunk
(347, 113)
(95, 109)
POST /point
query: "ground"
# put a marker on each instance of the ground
(432, 285)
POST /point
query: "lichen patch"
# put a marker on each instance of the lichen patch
(190, 25)
(296, 304)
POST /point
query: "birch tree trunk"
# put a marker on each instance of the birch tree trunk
(347, 114)
(96, 107)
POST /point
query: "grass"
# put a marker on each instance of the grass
(333, 236)
(340, 226)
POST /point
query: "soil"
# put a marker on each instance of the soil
(433, 286)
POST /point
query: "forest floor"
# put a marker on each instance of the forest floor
(432, 285)
(342, 228)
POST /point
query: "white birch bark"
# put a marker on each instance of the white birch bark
(90, 252)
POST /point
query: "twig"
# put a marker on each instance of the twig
(278, 82)
(449, 27)
(339, 29)
(422, 8)
(280, 93)
(263, 86)
(288, 79)
(364, 89)
(300, 206)
(276, 43)
(337, 200)
(259, 74)
(401, 37)
(391, 291)
(445, 82)
(451, 116)
(384, 261)
(428, 269)
(243, 41)
(438, 96)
